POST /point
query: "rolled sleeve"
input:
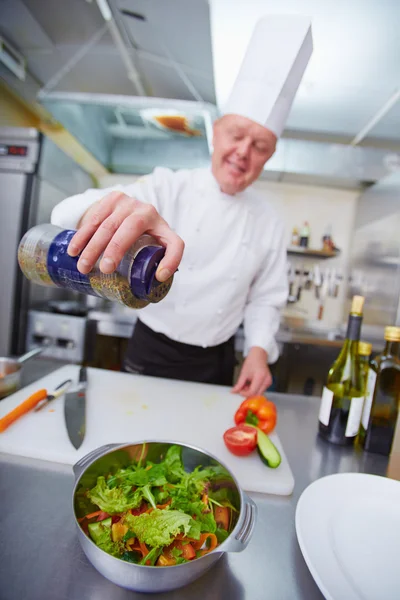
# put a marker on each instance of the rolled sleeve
(267, 296)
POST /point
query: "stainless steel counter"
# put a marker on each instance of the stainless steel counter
(40, 558)
(120, 322)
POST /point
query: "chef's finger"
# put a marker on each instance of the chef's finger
(132, 227)
(256, 384)
(92, 220)
(174, 247)
(101, 240)
(241, 382)
(263, 386)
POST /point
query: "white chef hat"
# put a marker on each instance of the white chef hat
(271, 71)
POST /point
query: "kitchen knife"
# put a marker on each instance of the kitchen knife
(75, 410)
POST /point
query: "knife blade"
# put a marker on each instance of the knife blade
(75, 410)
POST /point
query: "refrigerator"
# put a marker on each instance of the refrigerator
(19, 158)
(35, 175)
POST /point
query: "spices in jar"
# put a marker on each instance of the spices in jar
(43, 258)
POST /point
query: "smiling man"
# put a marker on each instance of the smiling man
(225, 237)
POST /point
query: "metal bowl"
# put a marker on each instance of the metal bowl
(145, 578)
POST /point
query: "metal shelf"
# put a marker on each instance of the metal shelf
(300, 251)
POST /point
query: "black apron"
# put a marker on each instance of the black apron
(155, 354)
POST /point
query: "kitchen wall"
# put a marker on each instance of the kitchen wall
(320, 206)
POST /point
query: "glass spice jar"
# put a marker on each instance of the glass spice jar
(43, 258)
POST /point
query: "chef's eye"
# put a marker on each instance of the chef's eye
(237, 137)
(262, 148)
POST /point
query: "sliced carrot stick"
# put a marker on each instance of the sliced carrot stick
(143, 548)
(22, 409)
(90, 516)
(213, 544)
(197, 544)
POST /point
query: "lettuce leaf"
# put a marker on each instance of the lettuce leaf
(158, 528)
(173, 464)
(204, 518)
(176, 553)
(101, 535)
(115, 500)
(139, 476)
(151, 556)
(221, 534)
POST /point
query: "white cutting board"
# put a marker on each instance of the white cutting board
(125, 408)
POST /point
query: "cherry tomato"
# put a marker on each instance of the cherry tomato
(241, 440)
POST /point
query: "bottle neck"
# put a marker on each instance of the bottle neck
(392, 348)
(354, 327)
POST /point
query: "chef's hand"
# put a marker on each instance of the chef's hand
(255, 376)
(112, 225)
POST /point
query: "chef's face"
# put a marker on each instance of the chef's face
(241, 149)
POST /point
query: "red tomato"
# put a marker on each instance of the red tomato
(241, 440)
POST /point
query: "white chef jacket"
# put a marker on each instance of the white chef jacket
(234, 264)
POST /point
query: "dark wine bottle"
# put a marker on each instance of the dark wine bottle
(343, 395)
(381, 405)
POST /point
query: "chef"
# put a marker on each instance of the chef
(226, 238)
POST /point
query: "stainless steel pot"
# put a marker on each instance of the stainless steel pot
(145, 578)
(10, 372)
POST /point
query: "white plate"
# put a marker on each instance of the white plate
(348, 528)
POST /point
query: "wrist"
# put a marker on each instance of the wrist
(258, 352)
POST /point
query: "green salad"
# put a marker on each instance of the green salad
(157, 514)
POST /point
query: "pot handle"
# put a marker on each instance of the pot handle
(244, 528)
(29, 355)
(83, 462)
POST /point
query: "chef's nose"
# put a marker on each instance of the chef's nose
(242, 148)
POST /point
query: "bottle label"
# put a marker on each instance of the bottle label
(369, 394)
(326, 406)
(63, 269)
(354, 418)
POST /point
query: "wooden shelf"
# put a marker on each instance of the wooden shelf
(300, 251)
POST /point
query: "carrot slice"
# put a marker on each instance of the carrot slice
(197, 544)
(90, 516)
(213, 544)
(143, 548)
(22, 409)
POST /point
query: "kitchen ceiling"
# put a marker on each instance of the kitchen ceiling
(175, 36)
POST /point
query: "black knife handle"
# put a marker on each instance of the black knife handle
(83, 375)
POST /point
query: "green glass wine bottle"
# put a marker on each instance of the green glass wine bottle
(382, 401)
(343, 395)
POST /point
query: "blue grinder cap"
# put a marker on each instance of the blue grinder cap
(144, 284)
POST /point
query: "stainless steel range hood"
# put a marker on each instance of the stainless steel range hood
(129, 135)
(136, 134)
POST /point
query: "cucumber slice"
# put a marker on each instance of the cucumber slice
(267, 450)
(96, 529)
